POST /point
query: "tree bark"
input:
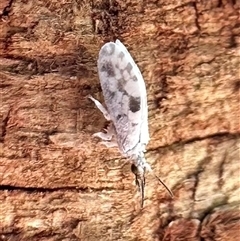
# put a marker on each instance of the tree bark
(57, 182)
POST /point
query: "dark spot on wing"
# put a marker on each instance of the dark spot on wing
(121, 84)
(121, 55)
(111, 94)
(134, 124)
(108, 67)
(134, 103)
(108, 49)
(112, 48)
(134, 78)
(129, 68)
(119, 116)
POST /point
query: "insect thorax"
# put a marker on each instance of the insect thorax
(139, 160)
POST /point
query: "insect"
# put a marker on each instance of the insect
(125, 97)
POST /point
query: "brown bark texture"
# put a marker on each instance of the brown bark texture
(57, 182)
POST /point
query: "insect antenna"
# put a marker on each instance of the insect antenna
(148, 167)
(166, 187)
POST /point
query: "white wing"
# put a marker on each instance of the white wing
(125, 97)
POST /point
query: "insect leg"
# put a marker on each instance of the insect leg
(104, 136)
(109, 144)
(101, 108)
(108, 135)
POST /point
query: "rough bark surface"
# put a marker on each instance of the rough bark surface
(57, 182)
